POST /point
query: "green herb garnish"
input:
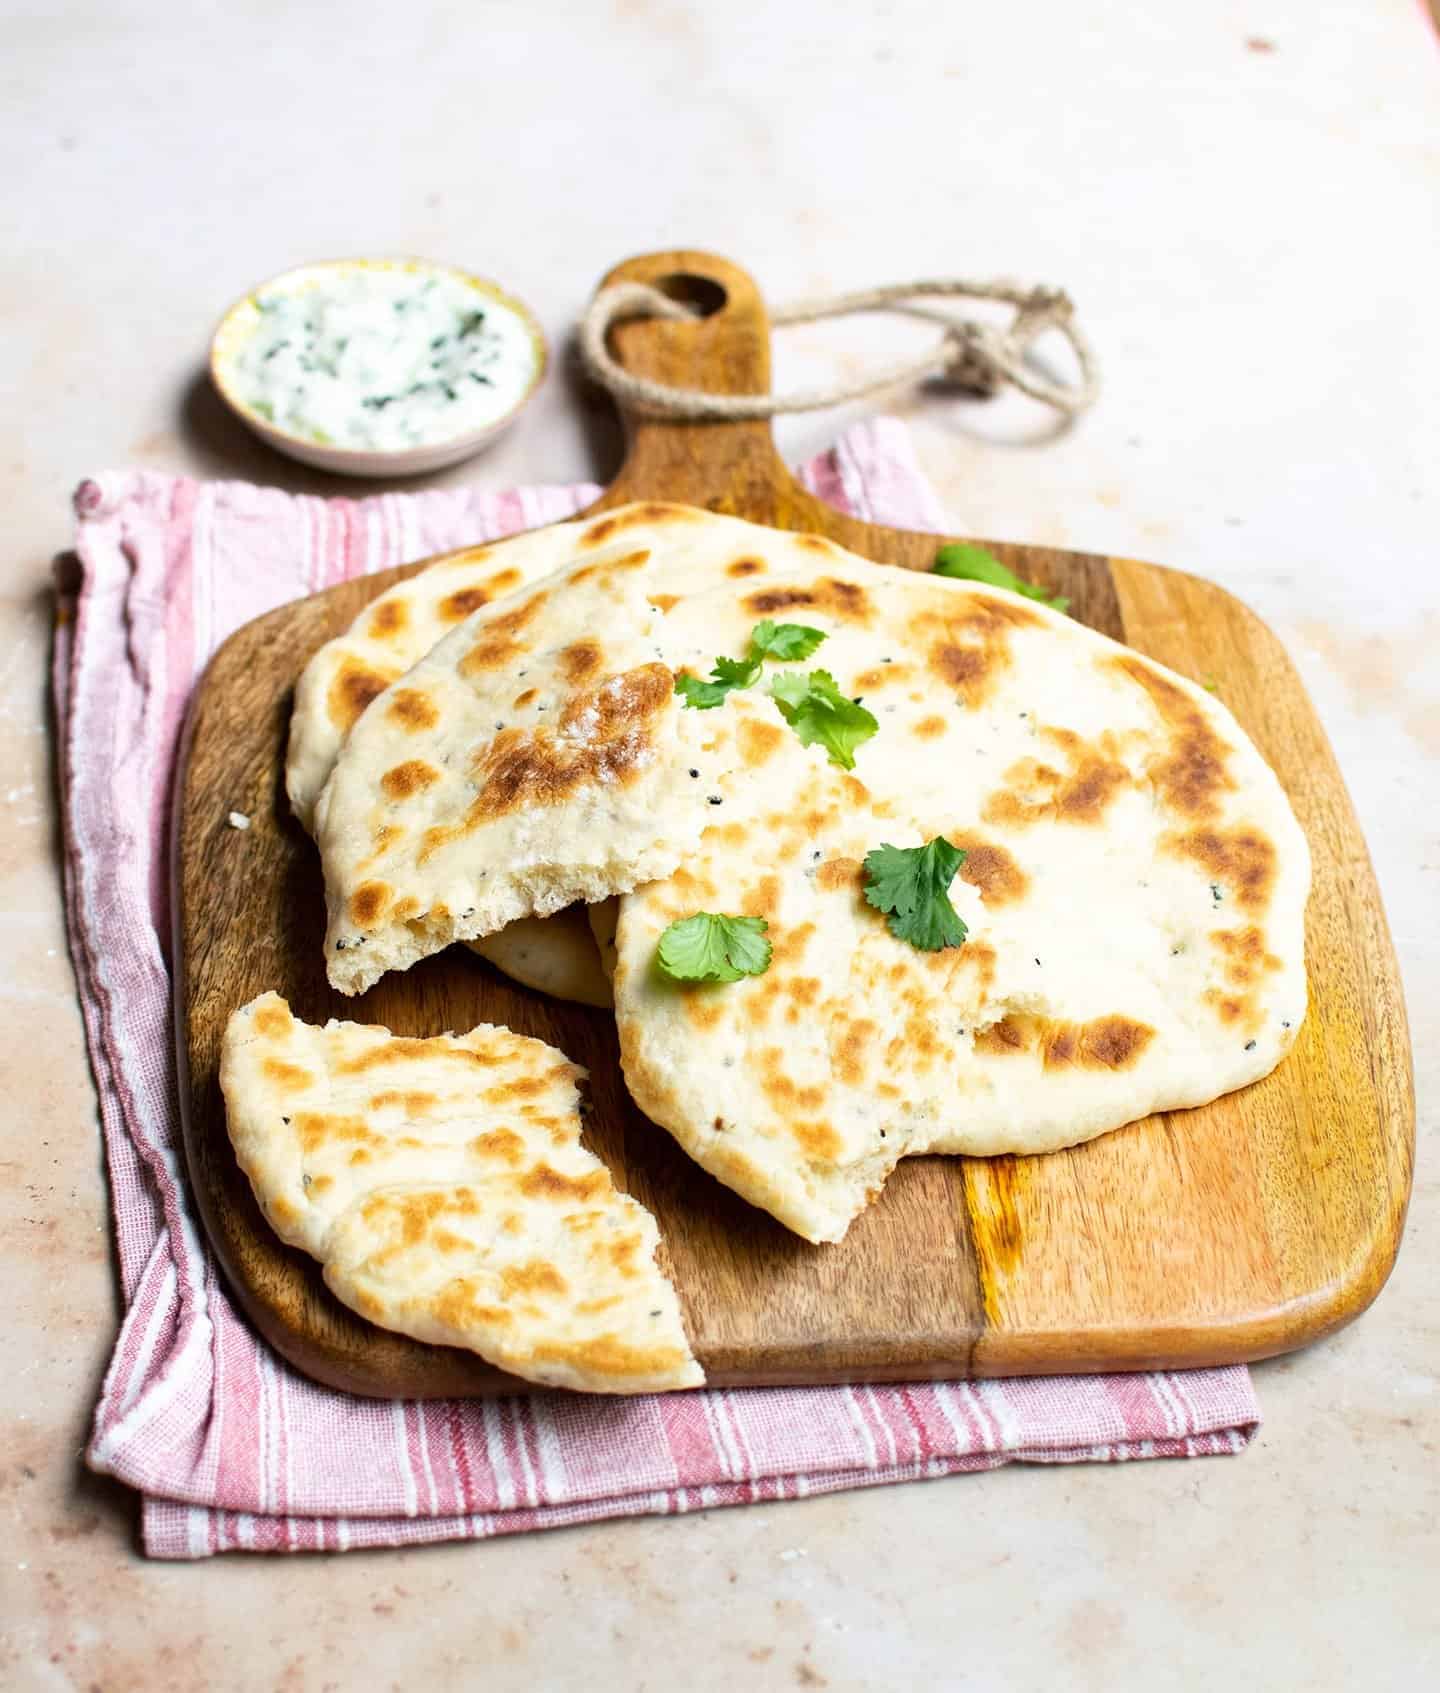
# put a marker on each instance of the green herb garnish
(975, 564)
(711, 948)
(784, 640)
(813, 706)
(912, 886)
(767, 640)
(727, 675)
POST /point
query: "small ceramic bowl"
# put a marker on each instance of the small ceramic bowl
(241, 320)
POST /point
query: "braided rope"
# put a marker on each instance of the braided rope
(977, 356)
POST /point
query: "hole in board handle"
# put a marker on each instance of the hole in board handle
(704, 295)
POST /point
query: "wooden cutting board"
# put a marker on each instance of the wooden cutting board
(1239, 1230)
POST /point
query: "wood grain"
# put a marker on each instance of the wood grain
(1232, 1232)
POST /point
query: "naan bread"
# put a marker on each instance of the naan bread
(554, 955)
(533, 758)
(1135, 891)
(693, 549)
(407, 621)
(442, 1185)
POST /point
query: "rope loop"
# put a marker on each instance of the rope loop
(976, 356)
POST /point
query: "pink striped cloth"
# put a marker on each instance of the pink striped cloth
(229, 1447)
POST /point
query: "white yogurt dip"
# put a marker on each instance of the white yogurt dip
(381, 357)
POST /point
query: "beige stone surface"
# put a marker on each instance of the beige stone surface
(1242, 197)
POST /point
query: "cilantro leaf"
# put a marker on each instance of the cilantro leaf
(711, 948)
(727, 674)
(736, 672)
(769, 639)
(912, 885)
(701, 696)
(818, 712)
(976, 564)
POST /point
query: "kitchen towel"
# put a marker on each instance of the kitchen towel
(229, 1447)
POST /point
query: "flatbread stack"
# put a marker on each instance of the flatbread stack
(442, 1185)
(518, 750)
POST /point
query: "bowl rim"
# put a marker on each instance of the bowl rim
(482, 284)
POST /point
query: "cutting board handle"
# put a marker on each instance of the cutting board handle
(723, 466)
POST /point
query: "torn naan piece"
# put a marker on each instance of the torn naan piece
(535, 757)
(693, 549)
(1134, 890)
(397, 629)
(443, 1187)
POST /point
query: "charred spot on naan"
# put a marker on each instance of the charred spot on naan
(385, 837)
(1244, 963)
(851, 1040)
(758, 741)
(391, 617)
(762, 899)
(523, 1087)
(411, 1101)
(969, 648)
(846, 601)
(406, 780)
(281, 1212)
(465, 561)
(459, 1306)
(1244, 953)
(369, 903)
(503, 1144)
(990, 868)
(536, 1276)
(834, 873)
(287, 1078)
(499, 641)
(412, 709)
(456, 607)
(742, 567)
(797, 1106)
(1114, 1042)
(581, 661)
(352, 688)
(318, 1129)
(640, 516)
(883, 675)
(1242, 859)
(543, 1182)
(405, 1049)
(1081, 793)
(274, 1020)
(690, 890)
(1193, 772)
(604, 568)
(605, 737)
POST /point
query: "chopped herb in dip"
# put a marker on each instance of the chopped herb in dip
(382, 357)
